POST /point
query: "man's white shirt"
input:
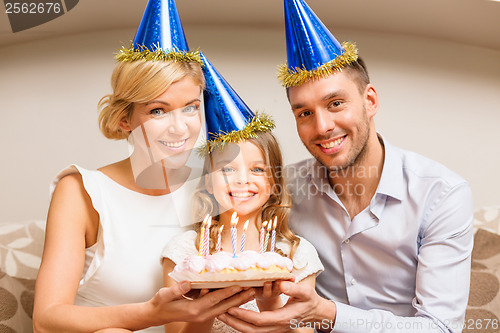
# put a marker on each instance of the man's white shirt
(403, 263)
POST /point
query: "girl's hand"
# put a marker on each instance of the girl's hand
(304, 305)
(268, 297)
(268, 292)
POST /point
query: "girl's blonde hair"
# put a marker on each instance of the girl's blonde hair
(140, 82)
(278, 205)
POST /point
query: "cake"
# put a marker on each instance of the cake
(222, 269)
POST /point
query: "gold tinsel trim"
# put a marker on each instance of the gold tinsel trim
(143, 53)
(261, 122)
(297, 76)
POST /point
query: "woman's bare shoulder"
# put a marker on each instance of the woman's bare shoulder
(70, 183)
(71, 210)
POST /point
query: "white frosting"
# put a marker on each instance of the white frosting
(221, 260)
(217, 262)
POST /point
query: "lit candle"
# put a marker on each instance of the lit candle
(261, 239)
(269, 225)
(234, 222)
(206, 242)
(202, 235)
(273, 237)
(219, 239)
(243, 236)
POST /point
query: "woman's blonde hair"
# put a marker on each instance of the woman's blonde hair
(278, 205)
(140, 82)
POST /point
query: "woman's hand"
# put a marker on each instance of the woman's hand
(169, 305)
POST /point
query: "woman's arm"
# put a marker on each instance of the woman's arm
(185, 327)
(72, 225)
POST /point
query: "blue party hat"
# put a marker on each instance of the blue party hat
(228, 118)
(313, 52)
(160, 36)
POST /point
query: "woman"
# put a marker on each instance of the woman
(101, 268)
(103, 224)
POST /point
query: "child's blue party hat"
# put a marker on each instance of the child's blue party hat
(228, 118)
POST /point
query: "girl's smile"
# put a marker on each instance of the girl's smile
(240, 182)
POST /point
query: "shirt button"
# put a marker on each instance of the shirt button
(347, 241)
(353, 282)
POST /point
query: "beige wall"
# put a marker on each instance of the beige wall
(437, 98)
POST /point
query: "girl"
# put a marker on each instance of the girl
(244, 178)
(242, 174)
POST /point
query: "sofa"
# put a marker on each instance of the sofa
(21, 245)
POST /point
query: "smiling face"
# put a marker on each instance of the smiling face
(168, 126)
(240, 181)
(334, 118)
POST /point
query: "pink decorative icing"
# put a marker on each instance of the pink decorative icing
(192, 264)
(220, 260)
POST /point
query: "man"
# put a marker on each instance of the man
(392, 228)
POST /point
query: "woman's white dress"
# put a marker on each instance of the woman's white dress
(122, 266)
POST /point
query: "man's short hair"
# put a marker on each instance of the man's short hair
(358, 72)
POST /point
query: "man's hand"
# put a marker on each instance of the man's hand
(304, 305)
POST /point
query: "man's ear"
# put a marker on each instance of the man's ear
(371, 101)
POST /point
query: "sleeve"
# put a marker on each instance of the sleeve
(180, 247)
(306, 261)
(69, 170)
(442, 278)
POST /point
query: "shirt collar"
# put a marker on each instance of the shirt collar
(392, 179)
(317, 175)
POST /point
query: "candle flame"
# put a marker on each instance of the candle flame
(275, 222)
(206, 219)
(221, 228)
(269, 226)
(246, 225)
(209, 222)
(234, 220)
(264, 224)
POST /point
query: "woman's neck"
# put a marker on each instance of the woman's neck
(153, 181)
(158, 177)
